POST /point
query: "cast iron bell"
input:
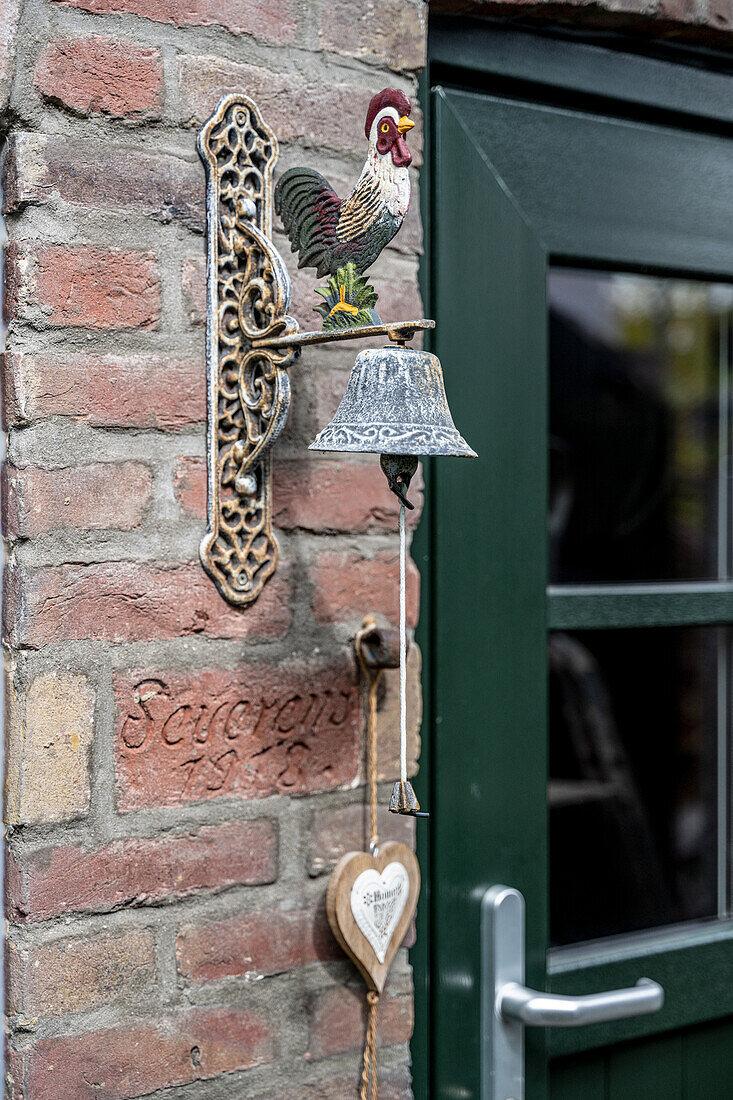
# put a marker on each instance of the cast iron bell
(394, 404)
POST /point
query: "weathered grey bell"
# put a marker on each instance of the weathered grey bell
(395, 404)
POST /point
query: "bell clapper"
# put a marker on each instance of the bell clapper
(399, 471)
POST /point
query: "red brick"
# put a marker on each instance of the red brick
(145, 871)
(335, 832)
(14, 1074)
(395, 30)
(132, 602)
(105, 391)
(399, 301)
(101, 496)
(273, 22)
(189, 485)
(338, 496)
(9, 15)
(144, 1057)
(338, 1021)
(394, 1084)
(187, 736)
(108, 288)
(39, 167)
(347, 587)
(73, 975)
(102, 75)
(105, 288)
(15, 266)
(317, 111)
(255, 944)
(314, 495)
(193, 285)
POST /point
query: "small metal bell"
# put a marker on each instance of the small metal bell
(395, 404)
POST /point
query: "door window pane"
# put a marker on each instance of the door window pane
(639, 428)
(637, 721)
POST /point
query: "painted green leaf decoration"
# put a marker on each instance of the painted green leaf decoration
(349, 299)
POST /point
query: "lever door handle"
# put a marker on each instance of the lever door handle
(534, 1009)
(508, 1006)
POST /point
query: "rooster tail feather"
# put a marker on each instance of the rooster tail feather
(308, 208)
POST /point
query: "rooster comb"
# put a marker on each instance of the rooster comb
(388, 97)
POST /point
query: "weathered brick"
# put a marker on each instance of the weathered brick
(102, 75)
(338, 1021)
(347, 586)
(15, 267)
(322, 112)
(394, 1084)
(335, 832)
(14, 1074)
(314, 495)
(187, 736)
(193, 285)
(145, 871)
(106, 288)
(106, 391)
(189, 485)
(131, 602)
(49, 736)
(100, 496)
(275, 22)
(38, 167)
(255, 944)
(98, 287)
(395, 30)
(337, 496)
(144, 1057)
(73, 975)
(9, 14)
(402, 299)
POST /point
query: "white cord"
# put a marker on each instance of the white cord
(403, 653)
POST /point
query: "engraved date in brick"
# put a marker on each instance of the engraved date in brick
(187, 736)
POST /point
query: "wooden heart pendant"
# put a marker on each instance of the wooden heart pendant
(370, 903)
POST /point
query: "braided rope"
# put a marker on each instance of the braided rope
(370, 1050)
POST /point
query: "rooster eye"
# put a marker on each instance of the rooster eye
(385, 127)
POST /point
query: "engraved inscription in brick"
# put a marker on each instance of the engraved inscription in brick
(251, 732)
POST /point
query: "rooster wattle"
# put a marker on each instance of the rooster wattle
(343, 237)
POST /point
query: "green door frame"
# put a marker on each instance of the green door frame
(481, 543)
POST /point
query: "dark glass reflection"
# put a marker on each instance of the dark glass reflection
(639, 409)
(633, 803)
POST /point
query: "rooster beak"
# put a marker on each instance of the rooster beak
(405, 124)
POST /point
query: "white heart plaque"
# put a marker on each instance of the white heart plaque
(377, 902)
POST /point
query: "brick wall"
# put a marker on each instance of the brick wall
(181, 775)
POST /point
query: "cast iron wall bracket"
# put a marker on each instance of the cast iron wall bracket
(250, 343)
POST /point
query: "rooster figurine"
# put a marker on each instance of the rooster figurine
(343, 237)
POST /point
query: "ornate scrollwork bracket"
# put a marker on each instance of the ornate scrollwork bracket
(250, 343)
(248, 298)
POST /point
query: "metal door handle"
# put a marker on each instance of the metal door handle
(534, 1009)
(507, 1005)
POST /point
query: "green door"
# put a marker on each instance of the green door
(579, 574)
